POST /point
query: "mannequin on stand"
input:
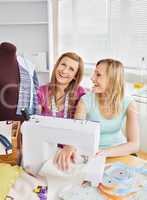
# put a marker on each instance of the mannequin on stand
(9, 82)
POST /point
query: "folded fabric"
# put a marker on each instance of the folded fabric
(24, 187)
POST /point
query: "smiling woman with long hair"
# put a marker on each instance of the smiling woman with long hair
(60, 97)
(108, 104)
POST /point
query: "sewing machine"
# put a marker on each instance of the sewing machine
(40, 130)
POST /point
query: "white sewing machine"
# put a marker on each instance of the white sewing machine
(40, 130)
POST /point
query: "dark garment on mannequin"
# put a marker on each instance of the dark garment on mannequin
(9, 82)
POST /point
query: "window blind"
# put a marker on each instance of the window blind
(106, 28)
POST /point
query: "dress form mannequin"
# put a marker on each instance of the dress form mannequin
(9, 82)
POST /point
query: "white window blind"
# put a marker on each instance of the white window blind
(83, 27)
(138, 33)
(128, 30)
(106, 28)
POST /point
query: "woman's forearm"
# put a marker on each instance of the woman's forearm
(120, 150)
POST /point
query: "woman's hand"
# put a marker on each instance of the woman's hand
(65, 157)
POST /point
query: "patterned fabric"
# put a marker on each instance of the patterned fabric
(35, 109)
(25, 92)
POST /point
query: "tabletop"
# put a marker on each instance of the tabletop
(55, 183)
(132, 161)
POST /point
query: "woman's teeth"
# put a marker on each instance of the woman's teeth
(62, 76)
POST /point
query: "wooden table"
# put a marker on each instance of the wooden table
(129, 160)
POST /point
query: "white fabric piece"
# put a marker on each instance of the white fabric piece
(23, 188)
(91, 171)
(77, 192)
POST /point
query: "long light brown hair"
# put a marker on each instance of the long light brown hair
(115, 89)
(73, 85)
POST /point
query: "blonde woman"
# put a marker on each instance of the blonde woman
(108, 105)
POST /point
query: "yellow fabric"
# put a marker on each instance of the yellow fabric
(8, 176)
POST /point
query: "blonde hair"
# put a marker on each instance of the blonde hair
(115, 90)
(73, 85)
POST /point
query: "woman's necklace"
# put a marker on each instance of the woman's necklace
(54, 107)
